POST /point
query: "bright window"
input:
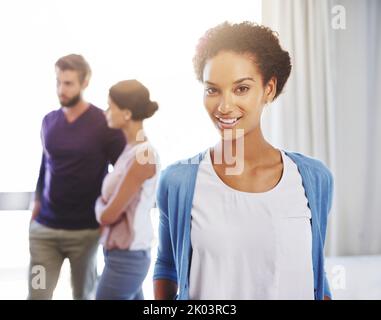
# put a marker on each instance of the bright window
(152, 41)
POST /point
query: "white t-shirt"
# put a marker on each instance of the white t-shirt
(250, 245)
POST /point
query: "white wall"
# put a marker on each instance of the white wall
(152, 41)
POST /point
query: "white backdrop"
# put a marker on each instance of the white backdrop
(150, 40)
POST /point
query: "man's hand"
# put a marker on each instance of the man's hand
(35, 210)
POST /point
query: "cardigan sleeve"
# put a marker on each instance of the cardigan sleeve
(327, 290)
(326, 287)
(165, 264)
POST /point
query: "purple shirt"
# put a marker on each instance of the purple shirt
(75, 161)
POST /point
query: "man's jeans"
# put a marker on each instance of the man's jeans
(48, 249)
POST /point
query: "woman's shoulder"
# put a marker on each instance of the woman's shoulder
(181, 171)
(314, 165)
(146, 151)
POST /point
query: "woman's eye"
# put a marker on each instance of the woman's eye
(242, 89)
(210, 91)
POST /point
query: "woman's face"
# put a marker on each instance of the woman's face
(116, 118)
(234, 94)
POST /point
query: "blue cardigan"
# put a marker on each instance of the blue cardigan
(174, 200)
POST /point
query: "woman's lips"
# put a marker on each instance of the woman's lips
(227, 123)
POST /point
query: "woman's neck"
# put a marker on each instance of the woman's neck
(251, 150)
(134, 132)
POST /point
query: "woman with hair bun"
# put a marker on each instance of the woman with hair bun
(128, 195)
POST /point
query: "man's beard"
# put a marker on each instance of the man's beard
(72, 102)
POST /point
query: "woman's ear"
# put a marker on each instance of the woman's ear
(127, 114)
(270, 90)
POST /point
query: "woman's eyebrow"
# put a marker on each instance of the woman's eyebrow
(211, 83)
(235, 82)
(243, 79)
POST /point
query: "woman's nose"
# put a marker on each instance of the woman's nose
(225, 106)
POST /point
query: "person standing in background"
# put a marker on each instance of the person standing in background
(128, 195)
(78, 146)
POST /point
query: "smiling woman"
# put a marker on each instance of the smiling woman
(148, 40)
(253, 234)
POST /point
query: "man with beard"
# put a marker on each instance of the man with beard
(78, 146)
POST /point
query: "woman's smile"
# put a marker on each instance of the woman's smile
(227, 122)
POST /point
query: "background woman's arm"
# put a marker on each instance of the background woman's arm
(108, 213)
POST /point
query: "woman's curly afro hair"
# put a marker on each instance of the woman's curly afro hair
(247, 38)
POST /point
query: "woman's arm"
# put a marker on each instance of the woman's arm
(108, 213)
(165, 273)
(164, 289)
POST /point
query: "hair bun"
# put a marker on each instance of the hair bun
(152, 107)
(134, 96)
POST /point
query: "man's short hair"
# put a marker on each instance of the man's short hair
(77, 63)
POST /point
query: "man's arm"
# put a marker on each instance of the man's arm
(39, 189)
(115, 143)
